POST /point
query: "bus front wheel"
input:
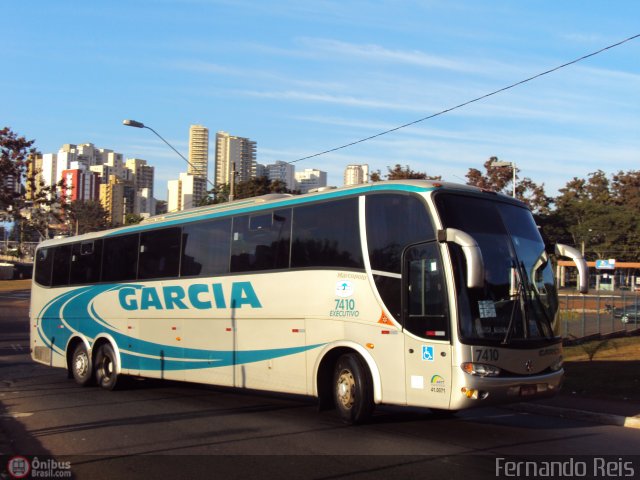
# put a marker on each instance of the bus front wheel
(352, 389)
(81, 365)
(106, 374)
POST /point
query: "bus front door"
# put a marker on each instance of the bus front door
(426, 328)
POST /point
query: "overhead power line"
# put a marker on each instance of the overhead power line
(477, 99)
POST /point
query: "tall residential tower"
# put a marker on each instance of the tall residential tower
(234, 153)
(198, 161)
(198, 151)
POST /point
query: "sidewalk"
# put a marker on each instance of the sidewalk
(607, 412)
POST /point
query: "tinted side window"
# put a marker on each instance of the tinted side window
(426, 312)
(159, 253)
(86, 258)
(393, 222)
(44, 264)
(327, 235)
(261, 241)
(206, 247)
(61, 264)
(120, 258)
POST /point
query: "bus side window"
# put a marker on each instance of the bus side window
(44, 265)
(426, 313)
(120, 258)
(159, 253)
(86, 258)
(261, 242)
(394, 221)
(327, 235)
(206, 247)
(61, 265)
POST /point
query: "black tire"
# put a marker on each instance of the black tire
(352, 389)
(81, 368)
(106, 367)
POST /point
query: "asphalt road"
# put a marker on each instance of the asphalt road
(161, 429)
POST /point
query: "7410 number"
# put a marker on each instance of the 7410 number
(345, 304)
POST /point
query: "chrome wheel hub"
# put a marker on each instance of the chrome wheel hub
(346, 385)
(81, 365)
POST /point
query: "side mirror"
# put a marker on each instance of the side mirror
(576, 256)
(472, 254)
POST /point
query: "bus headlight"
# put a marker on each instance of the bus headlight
(480, 369)
(557, 365)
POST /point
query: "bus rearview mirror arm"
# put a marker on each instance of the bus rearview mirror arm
(583, 270)
(472, 254)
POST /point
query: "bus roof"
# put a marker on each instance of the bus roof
(264, 202)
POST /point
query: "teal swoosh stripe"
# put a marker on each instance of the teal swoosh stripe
(218, 359)
(69, 314)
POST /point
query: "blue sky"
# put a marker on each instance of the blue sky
(300, 77)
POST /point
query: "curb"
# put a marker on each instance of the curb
(602, 418)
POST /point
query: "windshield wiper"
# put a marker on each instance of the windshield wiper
(519, 298)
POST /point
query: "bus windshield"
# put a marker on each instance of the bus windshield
(518, 303)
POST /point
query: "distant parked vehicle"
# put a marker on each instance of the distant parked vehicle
(619, 312)
(630, 317)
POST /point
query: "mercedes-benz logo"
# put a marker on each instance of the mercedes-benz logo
(528, 365)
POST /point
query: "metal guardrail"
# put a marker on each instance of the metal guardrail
(598, 314)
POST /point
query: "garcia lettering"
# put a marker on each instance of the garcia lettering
(199, 296)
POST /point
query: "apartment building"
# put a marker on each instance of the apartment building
(234, 154)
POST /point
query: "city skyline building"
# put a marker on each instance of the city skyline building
(234, 154)
(282, 171)
(183, 192)
(198, 151)
(143, 176)
(356, 174)
(135, 177)
(127, 185)
(309, 179)
(112, 200)
(34, 170)
(80, 184)
(199, 160)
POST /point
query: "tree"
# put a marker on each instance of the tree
(259, 186)
(161, 207)
(400, 173)
(497, 179)
(14, 154)
(218, 194)
(500, 179)
(86, 216)
(625, 189)
(132, 219)
(246, 189)
(593, 215)
(32, 206)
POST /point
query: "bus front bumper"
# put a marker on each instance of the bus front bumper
(473, 391)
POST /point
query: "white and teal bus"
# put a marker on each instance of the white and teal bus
(411, 293)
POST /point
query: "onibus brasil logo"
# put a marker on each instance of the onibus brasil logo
(20, 467)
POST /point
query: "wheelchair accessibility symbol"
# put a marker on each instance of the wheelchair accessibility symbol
(427, 353)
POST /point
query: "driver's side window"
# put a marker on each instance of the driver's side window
(425, 308)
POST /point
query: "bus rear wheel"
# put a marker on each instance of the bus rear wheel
(352, 389)
(81, 365)
(106, 373)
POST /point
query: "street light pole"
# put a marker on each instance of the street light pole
(133, 123)
(232, 184)
(498, 163)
